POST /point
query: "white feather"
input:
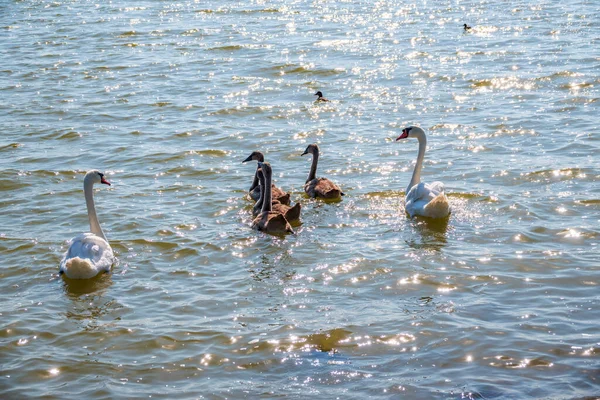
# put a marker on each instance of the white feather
(88, 255)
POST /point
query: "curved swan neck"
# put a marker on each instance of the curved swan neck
(261, 178)
(313, 167)
(416, 177)
(267, 198)
(88, 190)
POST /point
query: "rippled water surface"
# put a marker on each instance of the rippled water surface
(167, 98)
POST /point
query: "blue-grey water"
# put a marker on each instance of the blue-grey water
(167, 98)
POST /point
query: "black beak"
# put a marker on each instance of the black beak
(248, 159)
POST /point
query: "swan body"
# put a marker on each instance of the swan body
(290, 213)
(424, 199)
(88, 253)
(254, 191)
(319, 187)
(268, 220)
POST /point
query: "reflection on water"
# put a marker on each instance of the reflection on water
(90, 307)
(431, 233)
(76, 288)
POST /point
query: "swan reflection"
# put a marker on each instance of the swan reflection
(75, 288)
(431, 233)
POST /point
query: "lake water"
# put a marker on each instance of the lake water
(167, 98)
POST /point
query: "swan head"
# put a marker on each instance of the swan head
(411, 132)
(95, 176)
(256, 155)
(319, 94)
(266, 168)
(312, 149)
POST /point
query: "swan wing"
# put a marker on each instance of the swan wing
(427, 200)
(424, 191)
(435, 187)
(417, 192)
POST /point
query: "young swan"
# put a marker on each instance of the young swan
(89, 253)
(290, 213)
(268, 220)
(319, 187)
(425, 199)
(254, 191)
(320, 97)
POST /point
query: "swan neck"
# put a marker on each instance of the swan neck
(259, 203)
(88, 190)
(266, 206)
(416, 176)
(255, 181)
(313, 167)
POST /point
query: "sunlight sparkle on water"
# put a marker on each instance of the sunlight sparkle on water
(524, 363)
(570, 233)
(446, 289)
(412, 279)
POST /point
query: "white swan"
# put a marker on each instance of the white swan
(89, 253)
(425, 199)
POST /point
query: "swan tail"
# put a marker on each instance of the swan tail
(331, 194)
(438, 207)
(293, 213)
(78, 268)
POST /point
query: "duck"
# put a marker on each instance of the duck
(290, 213)
(320, 97)
(268, 220)
(466, 27)
(254, 191)
(89, 253)
(424, 199)
(319, 187)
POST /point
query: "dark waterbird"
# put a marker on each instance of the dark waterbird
(319, 187)
(254, 191)
(320, 97)
(268, 220)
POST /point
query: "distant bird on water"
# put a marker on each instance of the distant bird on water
(467, 27)
(320, 98)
